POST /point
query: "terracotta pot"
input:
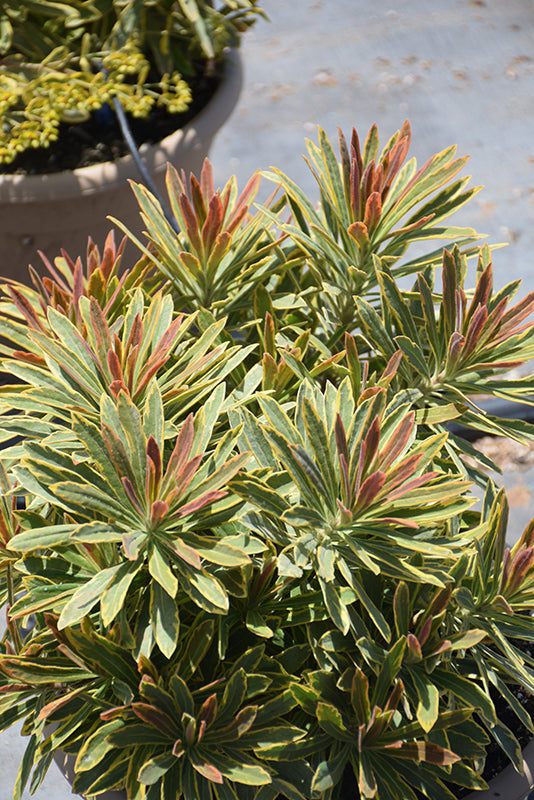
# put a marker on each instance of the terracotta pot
(60, 210)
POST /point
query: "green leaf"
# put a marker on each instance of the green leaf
(96, 533)
(218, 552)
(423, 751)
(111, 657)
(433, 415)
(374, 613)
(130, 735)
(40, 671)
(191, 11)
(204, 589)
(468, 639)
(86, 597)
(303, 517)
(279, 420)
(276, 707)
(154, 769)
(402, 609)
(359, 696)
(369, 783)
(256, 491)
(336, 608)
(165, 619)
(331, 722)
(467, 692)
(302, 470)
(197, 648)
(422, 779)
(114, 595)
(70, 354)
(204, 767)
(506, 739)
(14, 707)
(256, 623)
(91, 435)
(153, 414)
(255, 437)
(83, 497)
(130, 432)
(414, 356)
(399, 308)
(428, 705)
(374, 328)
(388, 672)
(182, 695)
(319, 442)
(329, 773)
(251, 774)
(25, 766)
(161, 571)
(41, 538)
(234, 695)
(96, 746)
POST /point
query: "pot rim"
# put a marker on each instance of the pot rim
(88, 180)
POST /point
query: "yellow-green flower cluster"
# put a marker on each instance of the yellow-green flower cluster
(175, 94)
(36, 98)
(126, 61)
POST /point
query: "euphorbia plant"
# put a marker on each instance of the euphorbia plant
(238, 541)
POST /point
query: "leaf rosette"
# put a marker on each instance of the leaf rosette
(135, 509)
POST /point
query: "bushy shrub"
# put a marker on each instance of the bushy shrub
(248, 546)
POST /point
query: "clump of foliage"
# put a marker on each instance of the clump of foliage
(238, 540)
(64, 60)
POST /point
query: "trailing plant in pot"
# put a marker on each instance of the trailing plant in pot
(64, 61)
(68, 68)
(238, 541)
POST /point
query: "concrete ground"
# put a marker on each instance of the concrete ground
(462, 72)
